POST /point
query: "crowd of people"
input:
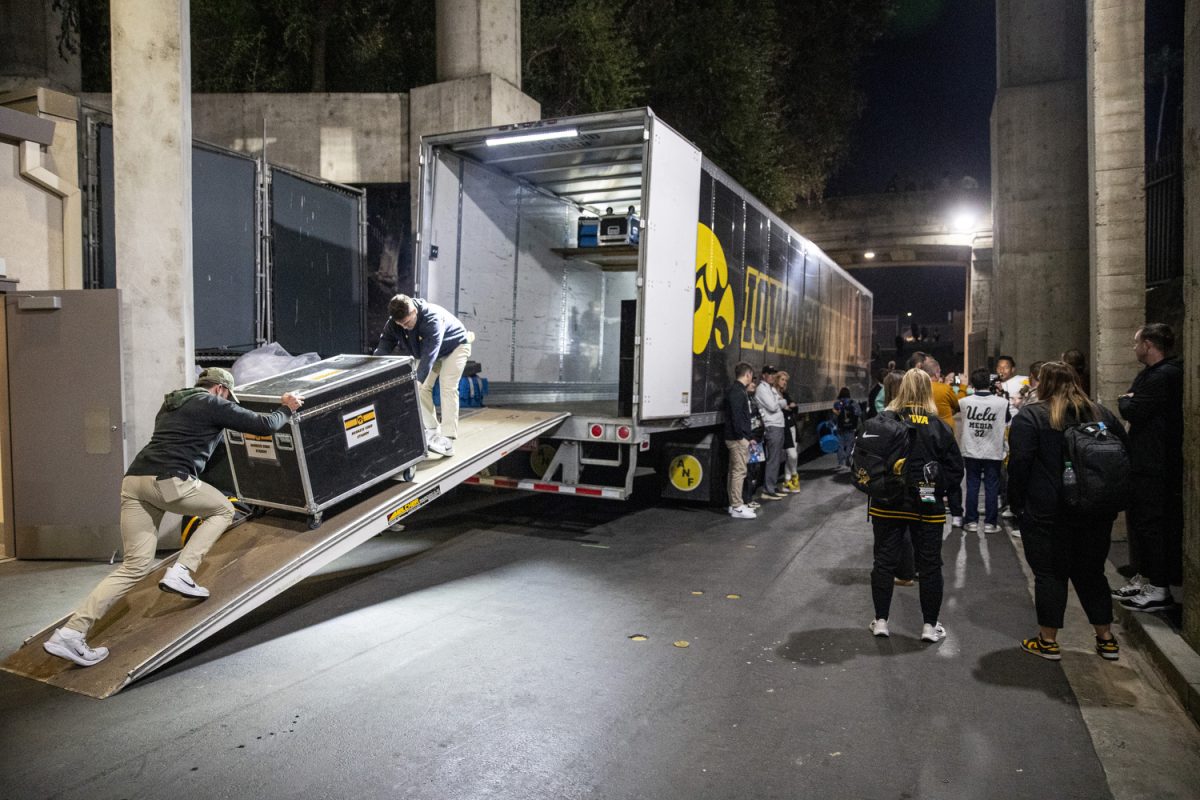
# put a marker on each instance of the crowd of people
(1018, 434)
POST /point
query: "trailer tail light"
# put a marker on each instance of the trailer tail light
(596, 430)
(624, 432)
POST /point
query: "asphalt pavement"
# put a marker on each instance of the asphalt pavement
(542, 646)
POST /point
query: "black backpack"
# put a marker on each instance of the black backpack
(1101, 469)
(881, 452)
(847, 415)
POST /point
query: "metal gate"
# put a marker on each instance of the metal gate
(268, 245)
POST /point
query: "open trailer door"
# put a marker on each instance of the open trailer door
(667, 274)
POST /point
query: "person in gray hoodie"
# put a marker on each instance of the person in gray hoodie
(164, 476)
(770, 403)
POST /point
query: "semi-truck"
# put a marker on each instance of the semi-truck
(637, 339)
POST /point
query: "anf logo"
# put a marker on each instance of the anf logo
(686, 472)
(713, 316)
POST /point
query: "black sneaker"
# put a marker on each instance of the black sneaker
(1108, 648)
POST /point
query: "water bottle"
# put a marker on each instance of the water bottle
(1069, 479)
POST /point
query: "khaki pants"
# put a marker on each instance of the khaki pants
(450, 369)
(739, 454)
(143, 502)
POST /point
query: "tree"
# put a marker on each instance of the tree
(767, 88)
(578, 57)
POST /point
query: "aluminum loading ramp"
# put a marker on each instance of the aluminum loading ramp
(258, 560)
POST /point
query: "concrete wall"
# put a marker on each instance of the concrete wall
(31, 218)
(29, 53)
(1040, 179)
(30, 227)
(1191, 330)
(346, 138)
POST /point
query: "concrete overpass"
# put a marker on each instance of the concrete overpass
(915, 229)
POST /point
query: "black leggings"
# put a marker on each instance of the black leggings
(927, 549)
(1062, 551)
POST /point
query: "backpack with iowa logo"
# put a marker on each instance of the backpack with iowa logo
(1096, 469)
(881, 452)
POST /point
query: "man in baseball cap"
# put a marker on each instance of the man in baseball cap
(164, 476)
(215, 376)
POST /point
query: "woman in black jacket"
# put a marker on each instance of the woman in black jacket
(933, 463)
(1060, 545)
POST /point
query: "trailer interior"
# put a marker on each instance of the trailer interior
(553, 321)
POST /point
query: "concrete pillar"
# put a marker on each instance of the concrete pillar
(1040, 179)
(479, 74)
(1116, 180)
(1191, 326)
(479, 37)
(29, 48)
(152, 164)
(980, 291)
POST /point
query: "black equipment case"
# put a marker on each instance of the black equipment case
(360, 424)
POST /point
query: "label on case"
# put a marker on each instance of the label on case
(361, 426)
(260, 448)
(323, 375)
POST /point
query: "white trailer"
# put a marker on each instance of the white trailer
(636, 341)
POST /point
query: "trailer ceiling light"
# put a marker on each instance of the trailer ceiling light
(869, 255)
(540, 136)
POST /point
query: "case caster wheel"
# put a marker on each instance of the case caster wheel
(408, 474)
(314, 522)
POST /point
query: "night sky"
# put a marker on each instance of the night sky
(930, 85)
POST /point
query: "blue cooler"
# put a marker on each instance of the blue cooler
(589, 231)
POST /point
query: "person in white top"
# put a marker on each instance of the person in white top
(985, 417)
(1010, 381)
(770, 405)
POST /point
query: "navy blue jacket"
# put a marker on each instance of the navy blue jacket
(738, 424)
(436, 335)
(1155, 416)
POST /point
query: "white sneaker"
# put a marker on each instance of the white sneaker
(933, 633)
(971, 527)
(879, 627)
(990, 528)
(178, 579)
(438, 443)
(1007, 514)
(956, 522)
(742, 512)
(1150, 598)
(70, 644)
(1131, 589)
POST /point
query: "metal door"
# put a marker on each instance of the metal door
(668, 274)
(66, 410)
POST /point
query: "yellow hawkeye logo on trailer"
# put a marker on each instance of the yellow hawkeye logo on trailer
(713, 315)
